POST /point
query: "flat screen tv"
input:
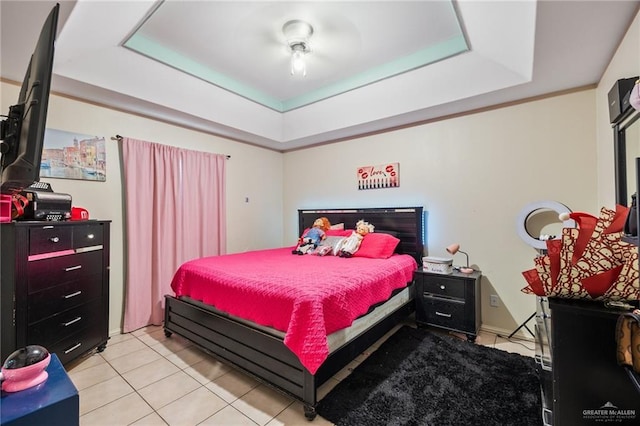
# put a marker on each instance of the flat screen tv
(22, 130)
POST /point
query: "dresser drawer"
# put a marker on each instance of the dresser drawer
(55, 271)
(88, 235)
(443, 286)
(446, 313)
(50, 238)
(53, 329)
(74, 345)
(62, 297)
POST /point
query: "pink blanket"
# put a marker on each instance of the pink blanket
(307, 297)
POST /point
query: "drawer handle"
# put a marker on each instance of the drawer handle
(90, 236)
(440, 314)
(69, 296)
(73, 348)
(72, 268)
(442, 287)
(73, 321)
(54, 239)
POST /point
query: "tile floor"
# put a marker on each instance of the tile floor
(144, 378)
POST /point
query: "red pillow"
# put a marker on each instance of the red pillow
(377, 246)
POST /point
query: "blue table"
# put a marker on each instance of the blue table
(53, 402)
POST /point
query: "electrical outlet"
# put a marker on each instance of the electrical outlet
(494, 300)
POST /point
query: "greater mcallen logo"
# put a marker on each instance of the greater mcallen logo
(609, 413)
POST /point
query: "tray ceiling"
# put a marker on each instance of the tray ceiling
(222, 67)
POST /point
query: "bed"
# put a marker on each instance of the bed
(301, 343)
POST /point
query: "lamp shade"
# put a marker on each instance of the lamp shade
(453, 248)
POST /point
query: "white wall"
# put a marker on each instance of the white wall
(252, 172)
(624, 64)
(473, 174)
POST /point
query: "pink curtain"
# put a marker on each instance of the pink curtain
(175, 211)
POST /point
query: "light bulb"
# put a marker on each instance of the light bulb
(298, 65)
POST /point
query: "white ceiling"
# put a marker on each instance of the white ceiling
(236, 60)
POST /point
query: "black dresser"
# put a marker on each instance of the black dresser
(55, 287)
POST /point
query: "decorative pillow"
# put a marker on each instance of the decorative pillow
(377, 246)
(338, 226)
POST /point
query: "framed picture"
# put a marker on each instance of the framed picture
(67, 155)
(379, 177)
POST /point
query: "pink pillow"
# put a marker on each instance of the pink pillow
(339, 232)
(377, 246)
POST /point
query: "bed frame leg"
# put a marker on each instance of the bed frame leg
(309, 412)
(167, 333)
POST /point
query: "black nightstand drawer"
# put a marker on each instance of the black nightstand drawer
(443, 286)
(444, 313)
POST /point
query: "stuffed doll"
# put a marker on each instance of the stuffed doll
(352, 243)
(313, 236)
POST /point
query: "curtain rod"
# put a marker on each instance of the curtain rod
(119, 138)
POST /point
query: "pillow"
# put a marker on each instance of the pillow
(377, 246)
(339, 232)
(333, 243)
(338, 226)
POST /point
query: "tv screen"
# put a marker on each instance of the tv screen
(22, 131)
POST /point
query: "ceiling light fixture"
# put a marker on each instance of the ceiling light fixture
(297, 34)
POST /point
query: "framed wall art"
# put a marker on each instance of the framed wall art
(379, 177)
(67, 155)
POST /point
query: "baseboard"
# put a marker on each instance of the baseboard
(522, 334)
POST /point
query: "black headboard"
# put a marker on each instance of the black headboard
(405, 222)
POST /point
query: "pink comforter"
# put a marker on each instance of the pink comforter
(307, 297)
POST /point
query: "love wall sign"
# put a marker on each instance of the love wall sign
(379, 177)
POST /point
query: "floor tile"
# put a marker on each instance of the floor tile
(133, 360)
(228, 416)
(232, 385)
(207, 370)
(261, 404)
(85, 362)
(152, 336)
(123, 348)
(192, 408)
(150, 373)
(168, 389)
(103, 393)
(93, 375)
(173, 344)
(123, 411)
(187, 357)
(152, 419)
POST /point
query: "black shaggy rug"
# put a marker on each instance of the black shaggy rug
(418, 377)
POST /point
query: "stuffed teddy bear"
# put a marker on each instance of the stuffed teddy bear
(352, 243)
(313, 236)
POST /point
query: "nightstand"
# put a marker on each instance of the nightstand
(450, 301)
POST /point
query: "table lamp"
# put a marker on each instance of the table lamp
(455, 248)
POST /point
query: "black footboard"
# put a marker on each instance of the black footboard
(263, 356)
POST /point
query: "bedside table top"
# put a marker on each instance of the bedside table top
(455, 274)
